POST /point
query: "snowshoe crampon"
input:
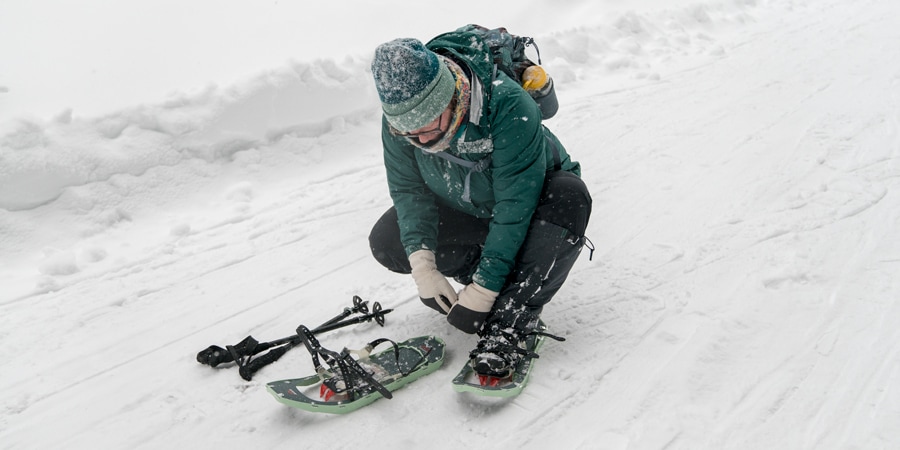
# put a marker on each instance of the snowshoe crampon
(350, 383)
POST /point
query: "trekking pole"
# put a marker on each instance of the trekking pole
(215, 355)
(377, 314)
(359, 306)
(250, 366)
(242, 353)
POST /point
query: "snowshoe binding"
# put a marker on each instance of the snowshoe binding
(500, 365)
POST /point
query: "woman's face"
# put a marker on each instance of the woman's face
(433, 131)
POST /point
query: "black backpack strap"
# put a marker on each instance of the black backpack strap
(557, 159)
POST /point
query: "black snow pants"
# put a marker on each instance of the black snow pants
(554, 241)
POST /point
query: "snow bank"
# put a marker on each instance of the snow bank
(39, 159)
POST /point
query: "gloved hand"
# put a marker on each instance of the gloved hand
(535, 81)
(434, 289)
(474, 305)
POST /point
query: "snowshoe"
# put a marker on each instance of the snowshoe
(349, 383)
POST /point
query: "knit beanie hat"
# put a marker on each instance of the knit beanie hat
(414, 85)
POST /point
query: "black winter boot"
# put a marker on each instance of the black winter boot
(500, 350)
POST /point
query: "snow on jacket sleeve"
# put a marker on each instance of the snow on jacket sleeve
(415, 204)
(518, 171)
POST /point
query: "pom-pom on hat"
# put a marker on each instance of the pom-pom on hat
(414, 85)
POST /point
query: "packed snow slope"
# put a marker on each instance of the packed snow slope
(743, 293)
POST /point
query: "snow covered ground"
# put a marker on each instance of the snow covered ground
(742, 155)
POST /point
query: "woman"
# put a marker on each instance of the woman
(482, 191)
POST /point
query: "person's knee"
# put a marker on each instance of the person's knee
(384, 242)
(379, 250)
(566, 201)
(568, 188)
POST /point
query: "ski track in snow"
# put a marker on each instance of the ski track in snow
(742, 293)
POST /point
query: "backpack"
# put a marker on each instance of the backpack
(507, 52)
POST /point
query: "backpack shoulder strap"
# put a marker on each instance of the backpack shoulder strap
(473, 166)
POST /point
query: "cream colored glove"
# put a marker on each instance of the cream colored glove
(472, 309)
(434, 289)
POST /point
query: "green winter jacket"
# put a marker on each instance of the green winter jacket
(505, 127)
